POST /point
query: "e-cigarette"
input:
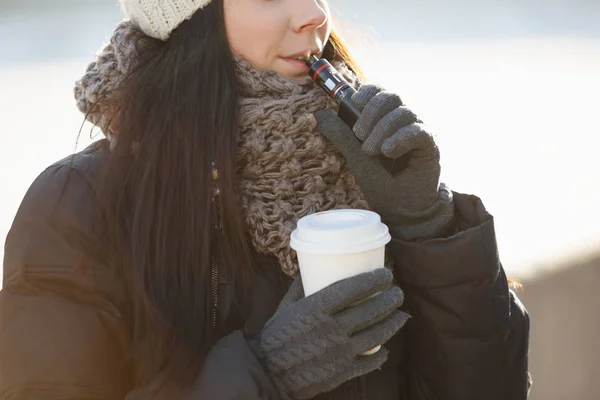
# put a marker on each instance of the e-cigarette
(341, 92)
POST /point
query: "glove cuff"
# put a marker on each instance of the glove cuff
(279, 385)
(427, 224)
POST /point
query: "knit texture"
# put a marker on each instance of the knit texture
(104, 75)
(158, 18)
(312, 344)
(287, 169)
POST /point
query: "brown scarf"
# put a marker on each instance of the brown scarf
(287, 169)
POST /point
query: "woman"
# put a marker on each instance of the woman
(156, 263)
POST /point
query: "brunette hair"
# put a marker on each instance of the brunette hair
(176, 113)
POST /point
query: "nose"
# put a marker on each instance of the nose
(309, 14)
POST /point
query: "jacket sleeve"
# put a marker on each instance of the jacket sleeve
(468, 338)
(63, 330)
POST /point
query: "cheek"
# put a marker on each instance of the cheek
(253, 33)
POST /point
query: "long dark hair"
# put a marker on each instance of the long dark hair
(177, 112)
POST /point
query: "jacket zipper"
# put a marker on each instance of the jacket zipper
(214, 274)
(215, 291)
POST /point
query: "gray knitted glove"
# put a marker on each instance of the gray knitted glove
(312, 344)
(414, 204)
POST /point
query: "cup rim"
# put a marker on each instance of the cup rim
(358, 246)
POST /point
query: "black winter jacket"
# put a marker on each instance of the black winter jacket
(63, 329)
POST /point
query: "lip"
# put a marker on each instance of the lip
(298, 65)
(307, 52)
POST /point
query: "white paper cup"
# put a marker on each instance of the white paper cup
(335, 245)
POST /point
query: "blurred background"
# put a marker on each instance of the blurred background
(509, 87)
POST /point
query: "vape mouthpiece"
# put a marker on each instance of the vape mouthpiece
(312, 60)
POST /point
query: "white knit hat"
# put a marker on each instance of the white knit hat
(158, 18)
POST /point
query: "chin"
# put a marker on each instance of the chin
(297, 77)
(302, 79)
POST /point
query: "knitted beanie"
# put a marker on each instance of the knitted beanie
(158, 18)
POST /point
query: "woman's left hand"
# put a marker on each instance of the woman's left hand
(414, 203)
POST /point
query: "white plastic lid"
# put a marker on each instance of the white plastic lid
(340, 232)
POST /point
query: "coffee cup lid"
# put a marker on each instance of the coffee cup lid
(340, 232)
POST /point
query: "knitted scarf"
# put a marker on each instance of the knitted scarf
(286, 168)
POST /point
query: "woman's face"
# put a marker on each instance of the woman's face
(269, 33)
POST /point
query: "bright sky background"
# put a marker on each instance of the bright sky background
(514, 106)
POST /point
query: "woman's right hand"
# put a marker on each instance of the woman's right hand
(313, 344)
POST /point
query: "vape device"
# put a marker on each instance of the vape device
(341, 92)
